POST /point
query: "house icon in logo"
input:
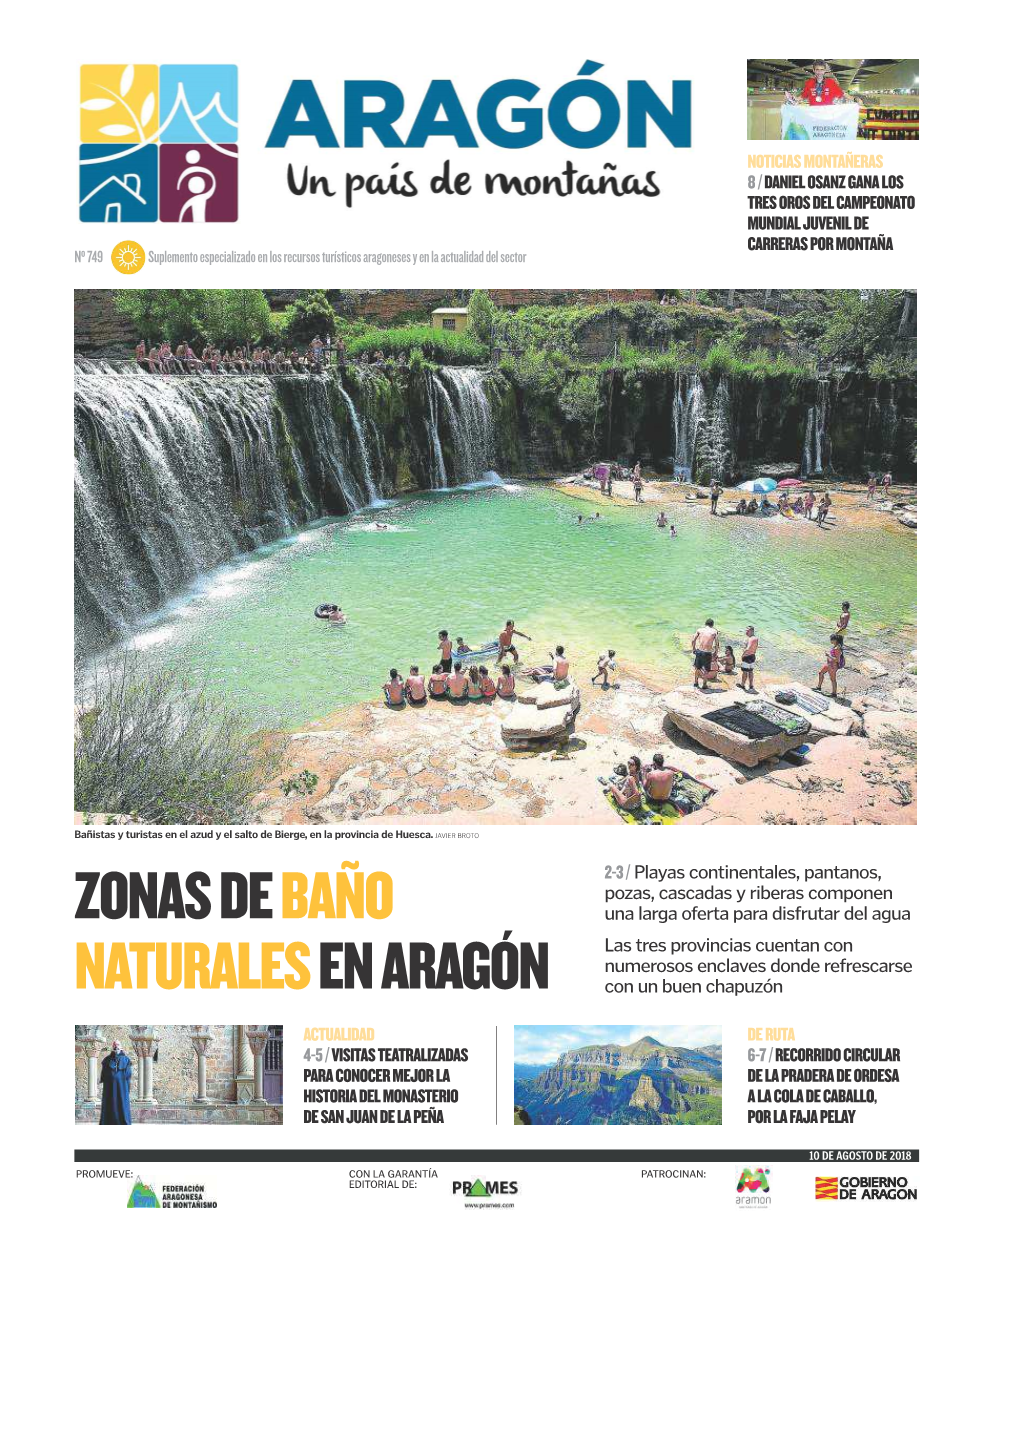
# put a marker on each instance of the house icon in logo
(114, 208)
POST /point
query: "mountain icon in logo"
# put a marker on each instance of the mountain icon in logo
(142, 1196)
(158, 143)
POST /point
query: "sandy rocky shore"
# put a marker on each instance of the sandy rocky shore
(447, 764)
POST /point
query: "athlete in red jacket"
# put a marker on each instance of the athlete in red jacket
(820, 89)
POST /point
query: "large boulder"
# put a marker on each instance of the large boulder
(686, 708)
(531, 726)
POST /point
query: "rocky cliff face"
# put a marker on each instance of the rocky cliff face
(639, 1084)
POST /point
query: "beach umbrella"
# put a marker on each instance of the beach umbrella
(792, 481)
(760, 486)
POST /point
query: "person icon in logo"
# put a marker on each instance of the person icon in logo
(201, 193)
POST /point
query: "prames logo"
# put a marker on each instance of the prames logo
(753, 1188)
(480, 1193)
(158, 142)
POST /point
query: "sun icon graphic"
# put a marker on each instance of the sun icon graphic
(128, 257)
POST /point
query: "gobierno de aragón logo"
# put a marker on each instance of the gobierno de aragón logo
(158, 143)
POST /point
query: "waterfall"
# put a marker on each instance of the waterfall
(688, 424)
(469, 419)
(176, 474)
(719, 439)
(330, 450)
(814, 454)
(367, 474)
(702, 428)
(437, 472)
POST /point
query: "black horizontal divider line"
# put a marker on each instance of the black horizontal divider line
(746, 1155)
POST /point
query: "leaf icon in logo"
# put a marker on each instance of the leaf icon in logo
(148, 107)
(116, 130)
(127, 79)
(96, 104)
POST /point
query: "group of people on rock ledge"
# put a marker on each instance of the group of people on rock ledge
(182, 359)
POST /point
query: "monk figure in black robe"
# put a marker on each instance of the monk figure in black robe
(115, 1079)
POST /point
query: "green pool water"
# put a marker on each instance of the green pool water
(467, 559)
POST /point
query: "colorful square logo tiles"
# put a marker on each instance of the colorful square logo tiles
(158, 142)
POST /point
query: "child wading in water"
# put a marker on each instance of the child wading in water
(844, 619)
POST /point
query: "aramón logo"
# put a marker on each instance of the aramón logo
(158, 142)
(753, 1189)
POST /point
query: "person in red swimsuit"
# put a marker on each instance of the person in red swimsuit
(821, 89)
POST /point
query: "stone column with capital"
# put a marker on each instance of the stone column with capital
(91, 1045)
(244, 1078)
(258, 1036)
(145, 1043)
(201, 1039)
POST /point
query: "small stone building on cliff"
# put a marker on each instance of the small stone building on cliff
(199, 1073)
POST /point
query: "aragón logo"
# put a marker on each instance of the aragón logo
(826, 1189)
(158, 142)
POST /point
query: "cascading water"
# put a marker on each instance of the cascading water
(176, 474)
(688, 423)
(437, 470)
(702, 428)
(814, 452)
(719, 437)
(172, 476)
(469, 422)
(367, 475)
